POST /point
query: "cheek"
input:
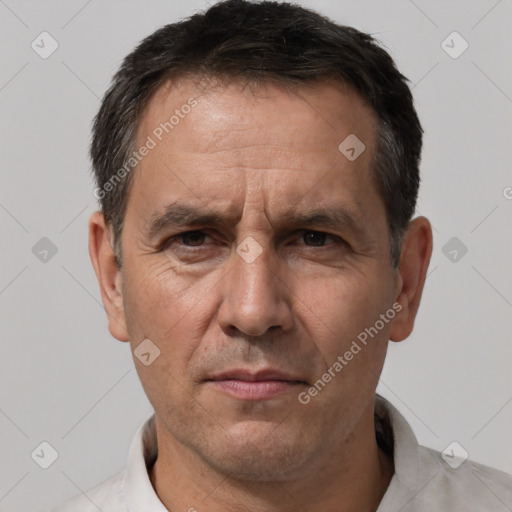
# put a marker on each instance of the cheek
(354, 338)
(157, 297)
(339, 309)
(168, 310)
(351, 353)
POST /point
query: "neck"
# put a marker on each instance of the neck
(354, 478)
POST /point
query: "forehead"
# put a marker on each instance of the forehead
(227, 112)
(211, 142)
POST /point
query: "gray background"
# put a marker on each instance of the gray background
(64, 380)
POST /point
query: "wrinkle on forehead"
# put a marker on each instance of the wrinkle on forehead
(223, 110)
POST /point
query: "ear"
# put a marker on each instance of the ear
(108, 274)
(414, 261)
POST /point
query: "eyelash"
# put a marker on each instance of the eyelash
(169, 241)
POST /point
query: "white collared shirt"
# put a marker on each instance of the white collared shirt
(423, 481)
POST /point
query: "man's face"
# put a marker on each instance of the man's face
(264, 290)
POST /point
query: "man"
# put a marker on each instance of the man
(257, 167)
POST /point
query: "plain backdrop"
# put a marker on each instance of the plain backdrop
(67, 382)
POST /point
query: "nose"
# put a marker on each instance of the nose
(255, 296)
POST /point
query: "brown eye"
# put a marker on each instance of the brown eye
(316, 238)
(185, 239)
(192, 238)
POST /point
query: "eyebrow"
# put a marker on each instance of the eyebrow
(177, 214)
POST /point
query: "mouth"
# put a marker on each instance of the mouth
(249, 385)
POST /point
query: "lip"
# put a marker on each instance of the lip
(255, 376)
(260, 385)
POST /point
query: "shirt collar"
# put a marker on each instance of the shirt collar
(138, 490)
(398, 433)
(392, 431)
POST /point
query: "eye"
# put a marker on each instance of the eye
(318, 238)
(193, 238)
(187, 239)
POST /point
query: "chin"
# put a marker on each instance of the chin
(252, 452)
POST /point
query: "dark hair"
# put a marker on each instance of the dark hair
(261, 42)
